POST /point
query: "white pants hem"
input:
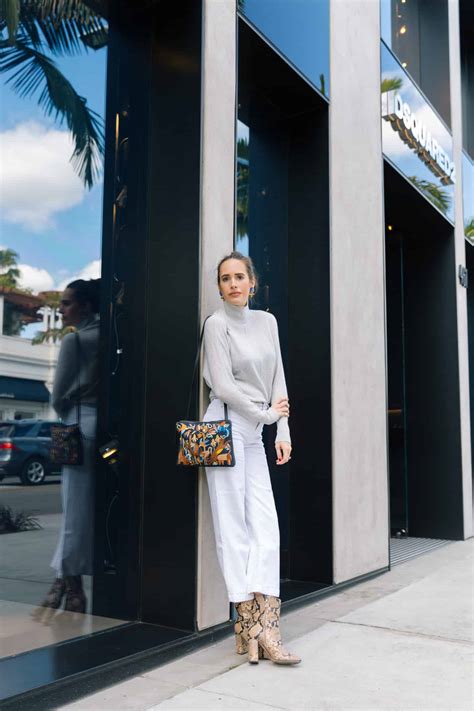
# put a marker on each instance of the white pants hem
(240, 597)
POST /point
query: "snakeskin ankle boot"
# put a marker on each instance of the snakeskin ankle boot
(75, 597)
(265, 634)
(245, 612)
(53, 598)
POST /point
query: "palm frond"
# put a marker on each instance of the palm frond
(391, 84)
(60, 24)
(34, 72)
(10, 16)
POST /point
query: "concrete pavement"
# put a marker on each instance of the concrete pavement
(403, 640)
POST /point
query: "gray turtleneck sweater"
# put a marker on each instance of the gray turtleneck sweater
(75, 378)
(243, 365)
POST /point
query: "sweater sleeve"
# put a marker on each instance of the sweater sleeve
(279, 386)
(218, 375)
(64, 376)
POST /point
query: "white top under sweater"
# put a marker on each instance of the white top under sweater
(243, 365)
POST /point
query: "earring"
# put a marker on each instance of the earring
(252, 292)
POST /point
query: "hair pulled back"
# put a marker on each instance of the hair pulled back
(87, 291)
(249, 266)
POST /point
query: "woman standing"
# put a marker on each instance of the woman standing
(243, 368)
(75, 394)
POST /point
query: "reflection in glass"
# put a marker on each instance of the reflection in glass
(468, 197)
(414, 139)
(52, 81)
(299, 29)
(417, 33)
(242, 201)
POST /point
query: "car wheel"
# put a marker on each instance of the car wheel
(33, 472)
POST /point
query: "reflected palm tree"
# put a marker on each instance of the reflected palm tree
(52, 301)
(469, 229)
(37, 29)
(9, 272)
(391, 84)
(438, 196)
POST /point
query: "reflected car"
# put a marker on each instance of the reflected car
(24, 450)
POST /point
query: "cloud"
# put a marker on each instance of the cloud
(90, 271)
(34, 278)
(36, 178)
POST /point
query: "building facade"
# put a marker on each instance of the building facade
(332, 141)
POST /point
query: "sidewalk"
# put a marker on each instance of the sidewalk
(402, 641)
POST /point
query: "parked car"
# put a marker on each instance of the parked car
(24, 450)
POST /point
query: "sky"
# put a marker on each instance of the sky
(47, 216)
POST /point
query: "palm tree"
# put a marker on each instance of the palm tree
(469, 229)
(391, 84)
(9, 272)
(52, 334)
(433, 192)
(52, 300)
(36, 29)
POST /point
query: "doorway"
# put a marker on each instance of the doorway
(422, 359)
(282, 222)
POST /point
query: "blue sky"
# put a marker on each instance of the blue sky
(47, 217)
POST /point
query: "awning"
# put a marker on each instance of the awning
(23, 389)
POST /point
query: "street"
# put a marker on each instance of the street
(38, 500)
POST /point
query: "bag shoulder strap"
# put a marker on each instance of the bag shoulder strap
(195, 370)
(78, 366)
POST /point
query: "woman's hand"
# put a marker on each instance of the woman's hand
(282, 406)
(283, 450)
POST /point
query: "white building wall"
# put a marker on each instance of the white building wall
(217, 239)
(19, 358)
(460, 251)
(360, 481)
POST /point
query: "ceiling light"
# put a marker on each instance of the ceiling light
(403, 29)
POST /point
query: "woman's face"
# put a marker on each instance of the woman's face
(71, 310)
(234, 282)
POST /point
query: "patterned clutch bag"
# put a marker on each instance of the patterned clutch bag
(205, 444)
(66, 445)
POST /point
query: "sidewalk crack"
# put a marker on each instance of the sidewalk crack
(467, 642)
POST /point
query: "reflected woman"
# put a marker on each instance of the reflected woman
(243, 369)
(76, 387)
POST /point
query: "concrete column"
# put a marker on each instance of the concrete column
(217, 239)
(460, 251)
(2, 304)
(359, 401)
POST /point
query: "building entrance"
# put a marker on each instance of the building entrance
(422, 359)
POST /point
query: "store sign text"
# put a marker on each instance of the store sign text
(415, 134)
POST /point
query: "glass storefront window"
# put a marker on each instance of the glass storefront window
(414, 138)
(468, 197)
(299, 29)
(52, 82)
(242, 198)
(417, 33)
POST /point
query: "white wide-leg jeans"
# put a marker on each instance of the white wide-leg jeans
(244, 513)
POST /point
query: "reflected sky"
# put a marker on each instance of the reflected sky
(48, 217)
(468, 197)
(427, 166)
(299, 29)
